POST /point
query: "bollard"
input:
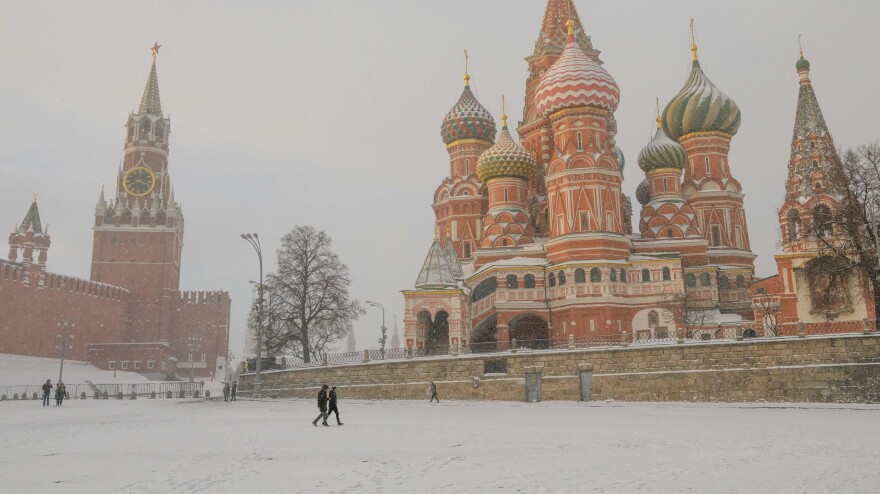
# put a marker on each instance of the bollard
(802, 332)
(366, 355)
(3, 398)
(867, 323)
(133, 395)
(15, 396)
(324, 359)
(182, 394)
(207, 393)
(169, 394)
(82, 395)
(119, 395)
(106, 395)
(196, 394)
(625, 338)
(513, 345)
(409, 352)
(152, 395)
(96, 395)
(571, 342)
(35, 396)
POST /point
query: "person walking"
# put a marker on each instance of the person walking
(234, 388)
(60, 393)
(322, 406)
(433, 391)
(225, 391)
(47, 390)
(333, 407)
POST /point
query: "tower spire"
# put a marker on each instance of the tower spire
(150, 102)
(503, 113)
(693, 42)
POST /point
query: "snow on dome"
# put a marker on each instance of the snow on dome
(505, 159)
(576, 80)
(700, 107)
(662, 152)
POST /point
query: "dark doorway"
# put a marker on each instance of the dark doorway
(437, 341)
(530, 331)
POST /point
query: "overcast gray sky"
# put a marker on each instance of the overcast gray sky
(328, 112)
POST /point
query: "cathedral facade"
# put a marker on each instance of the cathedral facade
(131, 315)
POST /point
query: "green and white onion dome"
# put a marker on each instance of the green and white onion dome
(643, 192)
(505, 159)
(700, 107)
(662, 152)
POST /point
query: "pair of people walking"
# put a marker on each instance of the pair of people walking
(60, 392)
(323, 401)
(229, 391)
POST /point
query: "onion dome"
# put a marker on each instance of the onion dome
(802, 63)
(505, 159)
(700, 107)
(620, 158)
(643, 192)
(468, 119)
(662, 152)
(576, 80)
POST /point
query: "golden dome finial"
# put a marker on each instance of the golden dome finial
(155, 49)
(693, 41)
(658, 112)
(35, 197)
(800, 46)
(467, 76)
(570, 25)
(503, 112)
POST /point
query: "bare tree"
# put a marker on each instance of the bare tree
(848, 239)
(686, 308)
(768, 306)
(307, 302)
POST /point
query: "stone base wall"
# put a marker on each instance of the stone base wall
(813, 369)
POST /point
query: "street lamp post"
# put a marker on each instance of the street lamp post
(229, 358)
(64, 343)
(384, 330)
(254, 240)
(193, 346)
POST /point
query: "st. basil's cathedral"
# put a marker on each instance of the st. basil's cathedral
(533, 239)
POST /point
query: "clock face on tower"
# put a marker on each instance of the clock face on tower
(139, 181)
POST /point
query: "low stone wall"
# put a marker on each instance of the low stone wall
(813, 369)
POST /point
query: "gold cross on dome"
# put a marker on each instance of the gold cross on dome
(155, 49)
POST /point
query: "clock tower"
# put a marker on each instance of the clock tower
(138, 234)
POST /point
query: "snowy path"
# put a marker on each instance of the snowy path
(271, 446)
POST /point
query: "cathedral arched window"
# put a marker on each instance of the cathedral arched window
(667, 274)
(815, 163)
(822, 220)
(529, 281)
(595, 275)
(653, 319)
(690, 280)
(561, 277)
(551, 279)
(612, 275)
(512, 281)
(793, 220)
(646, 275)
(580, 276)
(705, 280)
(622, 275)
(740, 281)
(723, 282)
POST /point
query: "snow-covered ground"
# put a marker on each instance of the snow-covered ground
(16, 370)
(172, 446)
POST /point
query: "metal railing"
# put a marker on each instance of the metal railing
(713, 332)
(159, 389)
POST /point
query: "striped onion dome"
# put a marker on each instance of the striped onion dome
(700, 107)
(505, 159)
(662, 152)
(576, 80)
(468, 119)
(643, 192)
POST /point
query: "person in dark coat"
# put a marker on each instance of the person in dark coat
(322, 406)
(433, 393)
(226, 392)
(60, 393)
(234, 388)
(333, 407)
(47, 390)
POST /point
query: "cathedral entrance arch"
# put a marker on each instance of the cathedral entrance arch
(530, 331)
(437, 334)
(484, 337)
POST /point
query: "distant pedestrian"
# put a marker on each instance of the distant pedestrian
(234, 389)
(47, 390)
(333, 407)
(60, 393)
(322, 406)
(225, 391)
(433, 392)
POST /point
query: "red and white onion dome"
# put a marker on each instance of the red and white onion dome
(575, 80)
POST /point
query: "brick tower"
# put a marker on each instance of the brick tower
(138, 235)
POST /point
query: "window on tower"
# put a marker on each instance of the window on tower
(708, 172)
(646, 275)
(595, 275)
(561, 277)
(585, 222)
(505, 195)
(705, 280)
(580, 141)
(467, 249)
(667, 274)
(529, 281)
(716, 235)
(467, 167)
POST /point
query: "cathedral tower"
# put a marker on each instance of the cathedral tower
(138, 235)
(467, 130)
(703, 120)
